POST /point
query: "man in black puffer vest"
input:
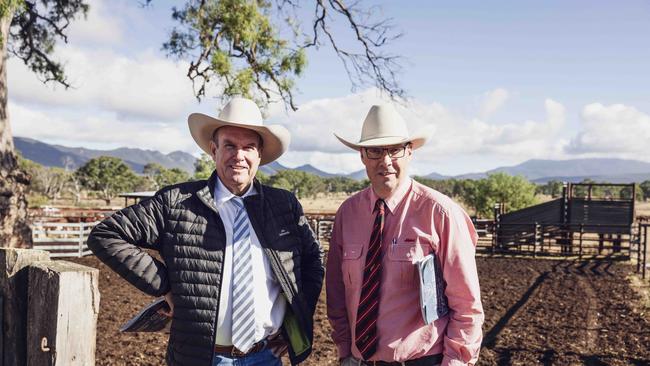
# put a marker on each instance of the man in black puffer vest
(242, 270)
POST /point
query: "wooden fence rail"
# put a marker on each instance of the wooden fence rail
(69, 239)
(62, 239)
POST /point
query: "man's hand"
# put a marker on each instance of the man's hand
(168, 298)
(351, 361)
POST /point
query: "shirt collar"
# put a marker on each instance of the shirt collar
(395, 199)
(223, 195)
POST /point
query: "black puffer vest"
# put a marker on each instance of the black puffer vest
(182, 223)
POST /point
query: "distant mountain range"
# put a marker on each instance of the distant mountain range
(74, 157)
(275, 167)
(538, 171)
(575, 170)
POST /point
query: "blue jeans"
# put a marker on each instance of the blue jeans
(262, 358)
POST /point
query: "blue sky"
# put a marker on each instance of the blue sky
(500, 82)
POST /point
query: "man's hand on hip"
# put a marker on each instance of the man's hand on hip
(168, 298)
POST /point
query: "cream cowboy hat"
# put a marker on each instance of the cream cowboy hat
(383, 126)
(244, 113)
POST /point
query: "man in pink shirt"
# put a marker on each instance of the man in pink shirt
(379, 235)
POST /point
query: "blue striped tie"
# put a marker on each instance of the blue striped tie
(243, 307)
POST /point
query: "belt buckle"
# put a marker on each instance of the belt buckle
(256, 347)
(237, 353)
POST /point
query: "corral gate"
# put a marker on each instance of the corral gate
(62, 239)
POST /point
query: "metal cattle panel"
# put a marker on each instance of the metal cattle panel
(548, 212)
(594, 214)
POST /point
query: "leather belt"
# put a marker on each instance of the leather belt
(232, 351)
(431, 360)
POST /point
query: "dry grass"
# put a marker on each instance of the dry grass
(327, 203)
(323, 203)
(642, 208)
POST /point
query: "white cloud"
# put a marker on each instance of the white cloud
(313, 125)
(101, 26)
(104, 130)
(615, 130)
(144, 85)
(454, 135)
(492, 101)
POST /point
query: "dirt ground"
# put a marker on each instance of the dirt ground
(536, 312)
(642, 208)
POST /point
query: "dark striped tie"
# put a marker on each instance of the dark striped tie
(366, 327)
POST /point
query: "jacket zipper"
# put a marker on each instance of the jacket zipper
(216, 316)
(285, 277)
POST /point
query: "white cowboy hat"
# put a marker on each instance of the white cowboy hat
(383, 126)
(244, 113)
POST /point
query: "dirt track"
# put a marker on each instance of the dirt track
(537, 312)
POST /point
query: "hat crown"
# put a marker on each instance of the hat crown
(242, 110)
(242, 113)
(383, 121)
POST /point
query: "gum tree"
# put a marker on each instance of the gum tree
(107, 176)
(28, 31)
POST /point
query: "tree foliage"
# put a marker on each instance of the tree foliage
(515, 191)
(551, 188)
(106, 175)
(481, 195)
(48, 181)
(449, 187)
(344, 184)
(263, 178)
(256, 48)
(302, 184)
(35, 28)
(645, 189)
(203, 167)
(159, 176)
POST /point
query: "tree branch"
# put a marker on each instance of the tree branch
(34, 31)
(369, 64)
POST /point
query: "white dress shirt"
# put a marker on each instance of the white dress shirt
(270, 305)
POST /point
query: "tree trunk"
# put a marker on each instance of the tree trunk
(14, 231)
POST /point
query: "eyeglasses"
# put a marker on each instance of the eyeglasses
(393, 152)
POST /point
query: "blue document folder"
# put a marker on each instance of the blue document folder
(433, 300)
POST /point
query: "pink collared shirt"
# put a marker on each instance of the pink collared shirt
(419, 221)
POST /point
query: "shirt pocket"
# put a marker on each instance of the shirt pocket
(401, 271)
(351, 265)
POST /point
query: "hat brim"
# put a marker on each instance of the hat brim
(416, 141)
(276, 138)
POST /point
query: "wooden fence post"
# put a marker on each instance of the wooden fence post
(13, 290)
(536, 234)
(63, 304)
(639, 240)
(582, 232)
(645, 249)
(82, 227)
